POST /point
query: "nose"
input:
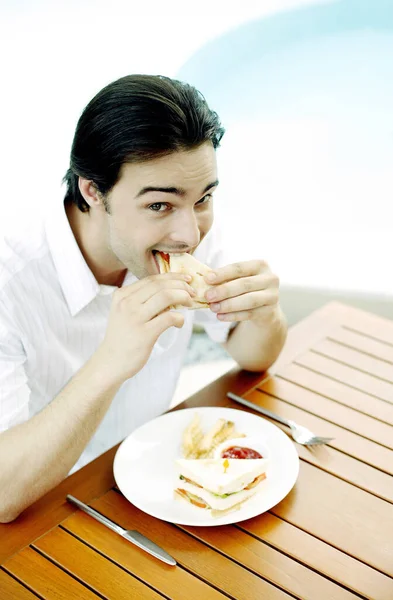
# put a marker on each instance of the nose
(185, 230)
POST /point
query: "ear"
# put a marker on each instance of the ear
(90, 193)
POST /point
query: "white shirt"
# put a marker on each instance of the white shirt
(53, 316)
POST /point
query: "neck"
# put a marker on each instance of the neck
(105, 267)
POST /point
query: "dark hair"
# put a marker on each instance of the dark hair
(134, 119)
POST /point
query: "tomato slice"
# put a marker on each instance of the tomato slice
(256, 481)
(201, 503)
(192, 482)
(165, 256)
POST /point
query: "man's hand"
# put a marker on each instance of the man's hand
(139, 315)
(244, 291)
(248, 292)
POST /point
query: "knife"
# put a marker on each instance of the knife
(131, 535)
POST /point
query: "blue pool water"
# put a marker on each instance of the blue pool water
(338, 56)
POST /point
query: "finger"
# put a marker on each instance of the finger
(251, 301)
(154, 287)
(134, 288)
(164, 300)
(241, 286)
(245, 315)
(236, 270)
(165, 320)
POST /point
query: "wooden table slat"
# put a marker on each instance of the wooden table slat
(348, 375)
(95, 571)
(278, 568)
(330, 411)
(346, 467)
(95, 479)
(360, 321)
(170, 581)
(197, 558)
(345, 441)
(320, 384)
(322, 557)
(355, 358)
(45, 578)
(323, 322)
(13, 590)
(341, 515)
(362, 343)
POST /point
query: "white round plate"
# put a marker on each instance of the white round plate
(145, 473)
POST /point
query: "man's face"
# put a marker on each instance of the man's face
(163, 204)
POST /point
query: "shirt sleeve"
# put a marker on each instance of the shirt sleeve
(14, 389)
(212, 253)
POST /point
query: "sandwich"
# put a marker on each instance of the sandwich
(186, 263)
(219, 485)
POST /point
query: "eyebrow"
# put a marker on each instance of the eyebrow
(172, 190)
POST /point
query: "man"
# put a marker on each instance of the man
(89, 349)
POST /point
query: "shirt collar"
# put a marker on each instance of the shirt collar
(77, 281)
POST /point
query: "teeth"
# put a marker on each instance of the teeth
(165, 252)
(170, 253)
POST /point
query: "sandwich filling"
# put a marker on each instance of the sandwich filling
(162, 260)
(219, 485)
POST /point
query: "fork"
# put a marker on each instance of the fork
(300, 434)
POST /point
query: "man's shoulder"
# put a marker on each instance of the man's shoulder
(21, 245)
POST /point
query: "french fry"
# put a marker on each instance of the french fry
(231, 436)
(213, 433)
(195, 444)
(192, 437)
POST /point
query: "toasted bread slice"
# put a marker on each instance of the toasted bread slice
(187, 264)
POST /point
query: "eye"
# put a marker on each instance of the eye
(204, 200)
(157, 206)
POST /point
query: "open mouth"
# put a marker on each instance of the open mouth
(154, 253)
(162, 260)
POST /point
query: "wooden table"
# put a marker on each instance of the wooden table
(331, 537)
